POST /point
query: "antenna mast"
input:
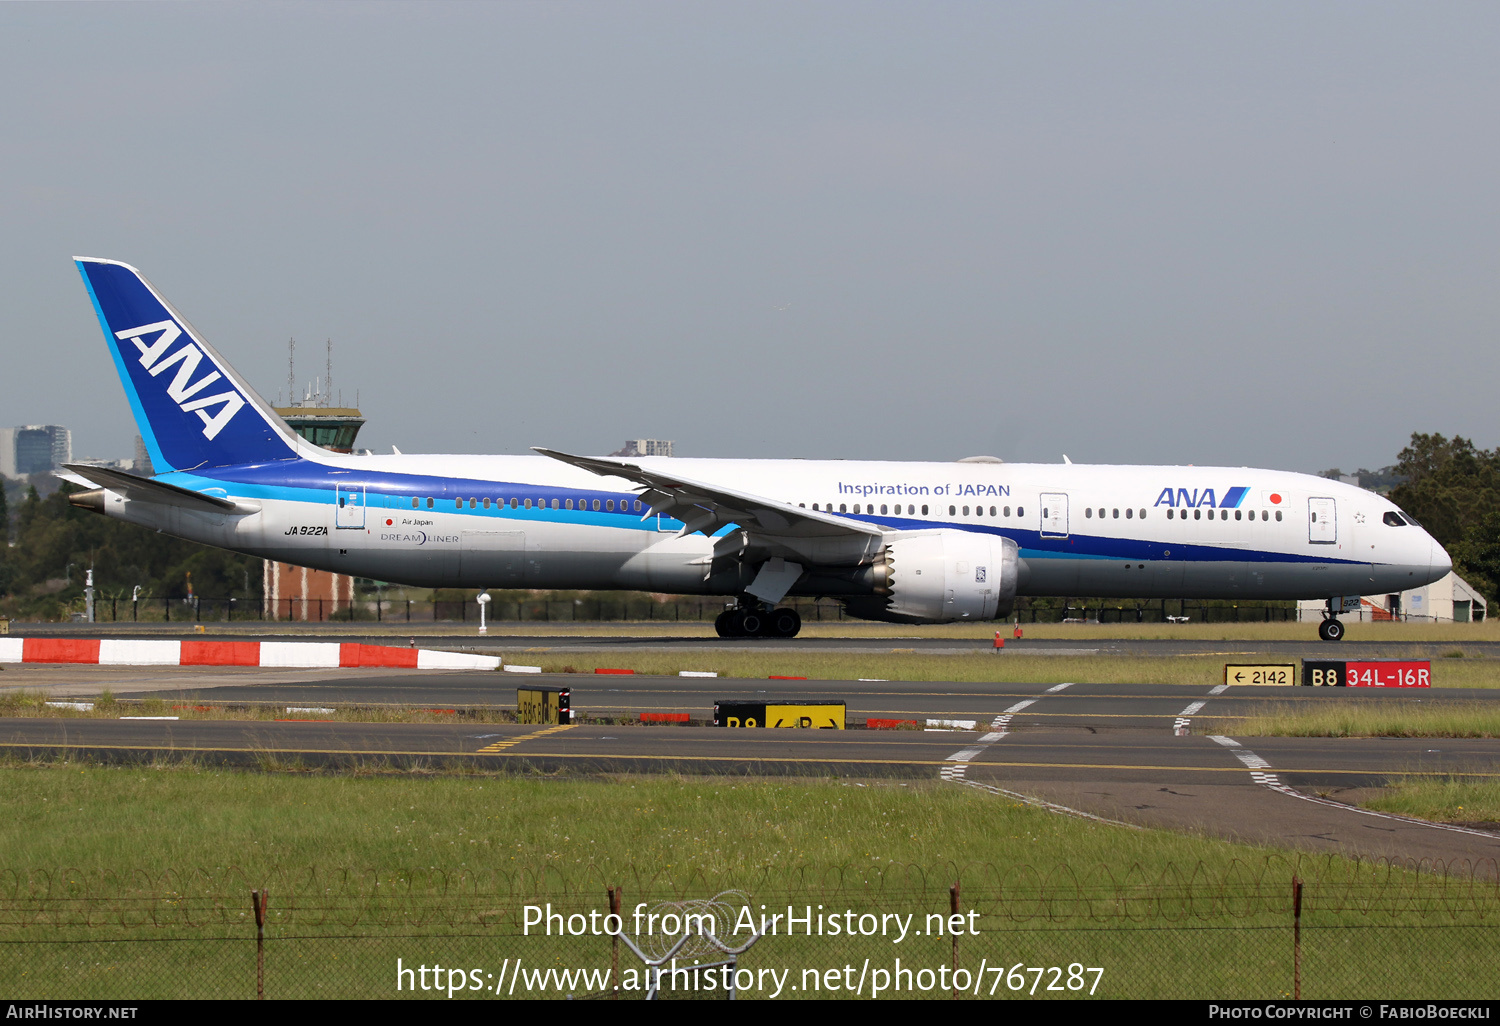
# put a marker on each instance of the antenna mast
(291, 372)
(328, 377)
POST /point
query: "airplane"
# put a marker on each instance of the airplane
(899, 542)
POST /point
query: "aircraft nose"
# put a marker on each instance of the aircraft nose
(1440, 562)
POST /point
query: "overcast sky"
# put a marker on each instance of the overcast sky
(1243, 234)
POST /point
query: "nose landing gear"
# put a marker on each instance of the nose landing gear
(756, 620)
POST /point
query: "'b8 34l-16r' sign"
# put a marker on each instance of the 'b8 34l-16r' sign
(1368, 673)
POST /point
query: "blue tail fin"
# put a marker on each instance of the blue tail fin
(192, 408)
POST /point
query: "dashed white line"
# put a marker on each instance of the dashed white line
(1060, 687)
(998, 729)
(1258, 767)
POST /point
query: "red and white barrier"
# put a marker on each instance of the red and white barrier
(280, 654)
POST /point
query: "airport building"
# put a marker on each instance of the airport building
(1450, 600)
(645, 447)
(34, 449)
(297, 592)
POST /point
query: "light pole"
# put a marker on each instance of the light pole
(484, 601)
(88, 593)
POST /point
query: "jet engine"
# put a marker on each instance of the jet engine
(941, 576)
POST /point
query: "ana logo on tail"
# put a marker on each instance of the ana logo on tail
(183, 388)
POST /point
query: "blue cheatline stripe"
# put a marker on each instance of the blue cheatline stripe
(1233, 498)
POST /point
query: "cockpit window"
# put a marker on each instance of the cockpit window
(1413, 521)
(1393, 519)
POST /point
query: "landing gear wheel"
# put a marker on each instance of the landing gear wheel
(785, 623)
(724, 624)
(751, 622)
(1331, 630)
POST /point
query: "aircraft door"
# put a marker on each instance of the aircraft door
(1322, 521)
(1054, 510)
(349, 511)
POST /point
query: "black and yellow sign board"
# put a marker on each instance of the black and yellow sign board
(749, 713)
(543, 705)
(1260, 673)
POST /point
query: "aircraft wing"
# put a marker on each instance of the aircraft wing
(707, 507)
(148, 490)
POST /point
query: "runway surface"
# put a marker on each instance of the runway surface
(518, 647)
(1119, 752)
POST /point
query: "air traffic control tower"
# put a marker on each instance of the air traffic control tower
(331, 427)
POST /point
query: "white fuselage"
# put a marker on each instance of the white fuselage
(533, 522)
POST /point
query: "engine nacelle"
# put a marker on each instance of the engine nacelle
(942, 576)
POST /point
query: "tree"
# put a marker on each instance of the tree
(1453, 489)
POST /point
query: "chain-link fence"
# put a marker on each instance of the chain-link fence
(1311, 928)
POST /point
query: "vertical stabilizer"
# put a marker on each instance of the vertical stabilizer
(192, 408)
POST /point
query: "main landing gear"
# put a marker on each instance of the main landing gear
(756, 620)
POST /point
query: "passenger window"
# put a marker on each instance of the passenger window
(637, 505)
(1278, 514)
(429, 502)
(1143, 514)
(458, 504)
(1006, 511)
(966, 511)
(842, 509)
(882, 509)
(513, 503)
(609, 505)
(1236, 514)
(1128, 512)
(1197, 514)
(554, 503)
(568, 504)
(1169, 514)
(486, 502)
(414, 502)
(924, 510)
(1020, 511)
(528, 503)
(952, 511)
(1088, 511)
(815, 507)
(1116, 515)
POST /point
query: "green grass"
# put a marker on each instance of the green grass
(96, 818)
(1367, 719)
(1446, 800)
(133, 883)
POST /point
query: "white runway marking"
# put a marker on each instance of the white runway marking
(1258, 767)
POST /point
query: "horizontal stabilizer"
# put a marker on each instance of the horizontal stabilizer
(145, 489)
